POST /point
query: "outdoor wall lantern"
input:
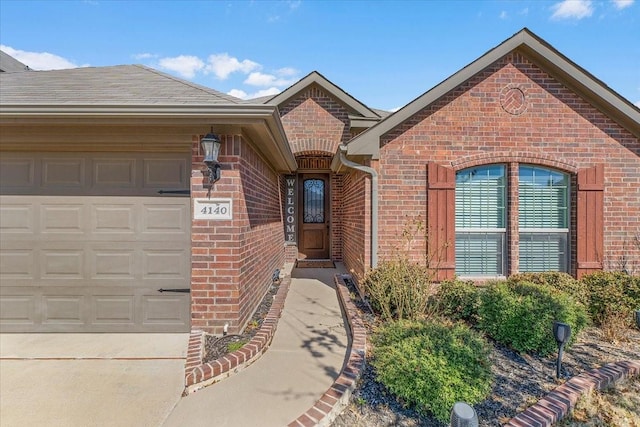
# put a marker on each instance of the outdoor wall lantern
(463, 415)
(211, 148)
(562, 333)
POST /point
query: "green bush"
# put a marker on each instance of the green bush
(431, 366)
(521, 315)
(399, 289)
(457, 300)
(561, 281)
(612, 295)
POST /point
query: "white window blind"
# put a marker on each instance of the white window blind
(543, 219)
(480, 221)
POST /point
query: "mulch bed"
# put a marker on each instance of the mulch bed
(217, 346)
(520, 381)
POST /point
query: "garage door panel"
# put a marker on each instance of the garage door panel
(17, 172)
(17, 264)
(163, 309)
(17, 218)
(90, 253)
(62, 218)
(113, 310)
(118, 219)
(64, 309)
(18, 310)
(61, 264)
(112, 264)
(165, 264)
(162, 218)
(166, 172)
(67, 172)
(110, 173)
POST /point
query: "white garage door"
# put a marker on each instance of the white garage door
(87, 242)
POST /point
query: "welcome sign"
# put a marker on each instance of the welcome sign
(290, 221)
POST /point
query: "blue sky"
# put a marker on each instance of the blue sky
(384, 53)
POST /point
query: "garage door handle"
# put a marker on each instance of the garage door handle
(182, 290)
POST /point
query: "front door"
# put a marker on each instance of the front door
(314, 216)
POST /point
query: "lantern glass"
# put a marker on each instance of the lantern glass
(211, 147)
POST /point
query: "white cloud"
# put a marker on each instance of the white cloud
(524, 11)
(637, 104)
(222, 65)
(39, 60)
(261, 79)
(244, 95)
(504, 15)
(572, 9)
(184, 65)
(287, 71)
(138, 56)
(622, 4)
(294, 4)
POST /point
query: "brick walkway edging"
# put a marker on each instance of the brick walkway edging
(336, 398)
(557, 404)
(199, 375)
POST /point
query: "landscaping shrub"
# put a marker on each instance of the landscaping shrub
(457, 300)
(398, 289)
(521, 315)
(431, 366)
(562, 281)
(613, 297)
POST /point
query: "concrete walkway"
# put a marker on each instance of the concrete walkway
(305, 357)
(90, 379)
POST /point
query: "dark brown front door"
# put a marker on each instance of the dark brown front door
(314, 216)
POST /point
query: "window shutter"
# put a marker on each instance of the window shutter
(441, 196)
(590, 220)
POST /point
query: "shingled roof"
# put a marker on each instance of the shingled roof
(115, 85)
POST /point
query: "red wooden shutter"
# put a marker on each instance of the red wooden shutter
(590, 220)
(441, 203)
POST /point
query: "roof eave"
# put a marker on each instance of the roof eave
(264, 119)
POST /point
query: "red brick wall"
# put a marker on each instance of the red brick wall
(314, 121)
(233, 260)
(471, 126)
(356, 223)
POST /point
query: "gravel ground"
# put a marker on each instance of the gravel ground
(216, 346)
(520, 381)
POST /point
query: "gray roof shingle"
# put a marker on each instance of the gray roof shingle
(113, 85)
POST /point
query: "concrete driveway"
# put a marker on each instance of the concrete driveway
(90, 379)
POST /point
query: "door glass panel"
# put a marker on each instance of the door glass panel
(313, 208)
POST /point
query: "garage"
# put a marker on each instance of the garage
(91, 242)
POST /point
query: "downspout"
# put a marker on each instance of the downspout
(374, 200)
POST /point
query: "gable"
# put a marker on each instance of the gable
(314, 121)
(537, 52)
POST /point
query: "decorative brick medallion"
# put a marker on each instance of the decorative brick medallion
(513, 100)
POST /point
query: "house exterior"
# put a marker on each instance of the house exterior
(521, 161)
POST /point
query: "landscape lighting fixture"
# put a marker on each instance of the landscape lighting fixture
(637, 313)
(211, 148)
(562, 333)
(463, 415)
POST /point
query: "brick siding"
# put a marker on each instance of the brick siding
(233, 260)
(470, 126)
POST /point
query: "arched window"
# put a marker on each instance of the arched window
(482, 212)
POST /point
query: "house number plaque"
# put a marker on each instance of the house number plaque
(215, 209)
